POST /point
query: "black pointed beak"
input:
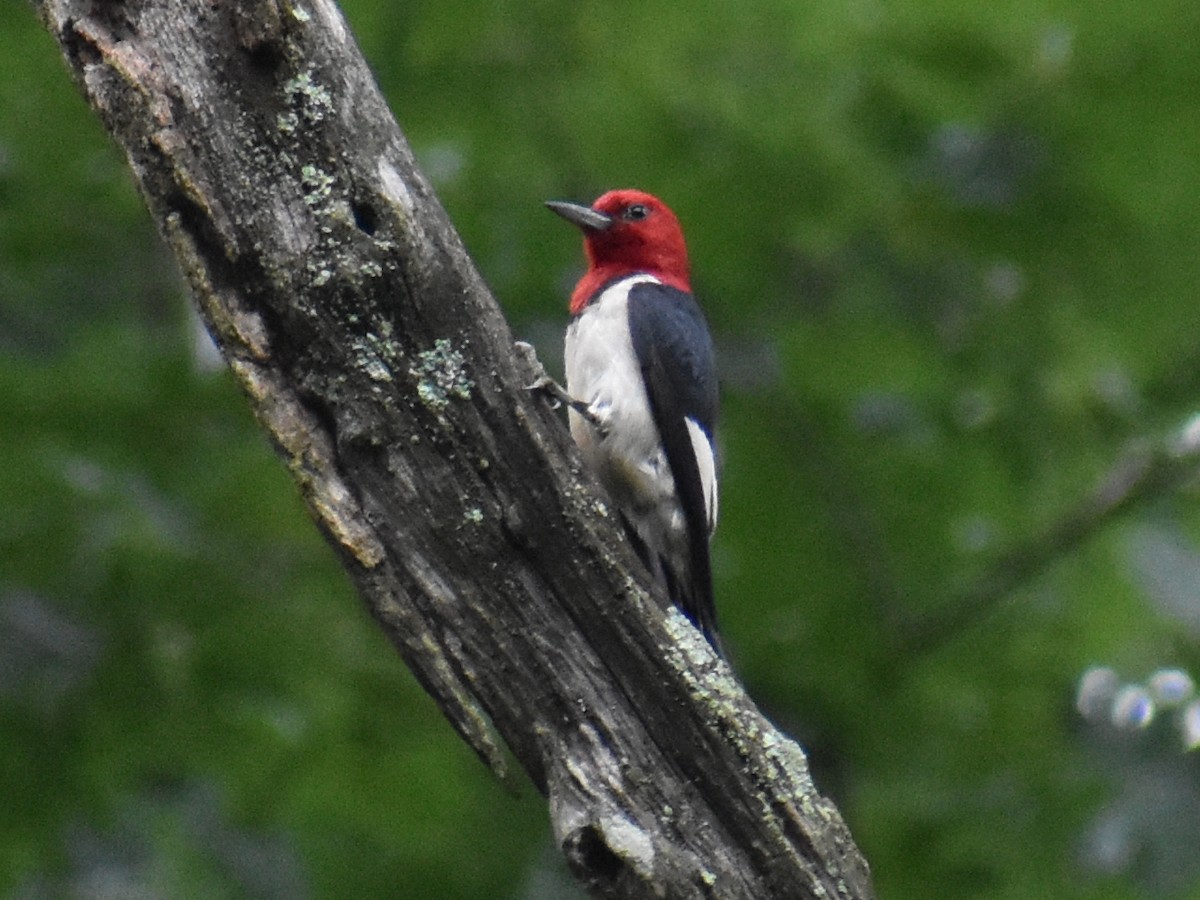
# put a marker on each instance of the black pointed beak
(584, 217)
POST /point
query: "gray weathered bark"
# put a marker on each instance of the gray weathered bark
(384, 372)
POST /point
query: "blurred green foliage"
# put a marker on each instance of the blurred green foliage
(949, 252)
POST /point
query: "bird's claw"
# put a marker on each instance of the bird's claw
(544, 384)
(559, 397)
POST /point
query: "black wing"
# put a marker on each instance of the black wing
(673, 346)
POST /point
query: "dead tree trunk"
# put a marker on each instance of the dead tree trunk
(384, 372)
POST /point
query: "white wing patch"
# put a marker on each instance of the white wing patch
(707, 464)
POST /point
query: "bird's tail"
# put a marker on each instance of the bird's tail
(688, 582)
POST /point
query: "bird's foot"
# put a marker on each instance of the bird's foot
(544, 384)
(558, 396)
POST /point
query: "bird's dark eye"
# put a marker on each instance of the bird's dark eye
(635, 212)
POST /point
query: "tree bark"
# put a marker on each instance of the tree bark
(385, 374)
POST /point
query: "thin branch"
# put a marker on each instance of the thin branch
(1141, 477)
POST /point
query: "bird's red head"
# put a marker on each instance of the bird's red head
(626, 232)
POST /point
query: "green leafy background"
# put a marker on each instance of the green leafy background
(949, 252)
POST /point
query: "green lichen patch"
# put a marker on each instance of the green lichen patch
(318, 185)
(308, 97)
(441, 375)
(377, 355)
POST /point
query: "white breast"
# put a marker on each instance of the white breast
(603, 371)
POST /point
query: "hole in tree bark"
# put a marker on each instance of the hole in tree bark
(265, 57)
(592, 857)
(365, 217)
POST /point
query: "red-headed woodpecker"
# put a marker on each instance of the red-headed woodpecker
(642, 381)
